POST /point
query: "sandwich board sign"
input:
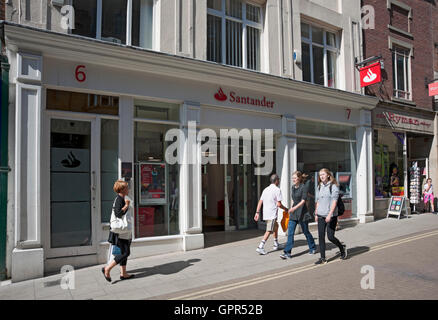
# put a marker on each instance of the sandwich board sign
(396, 206)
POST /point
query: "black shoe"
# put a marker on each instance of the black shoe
(321, 261)
(107, 278)
(344, 253)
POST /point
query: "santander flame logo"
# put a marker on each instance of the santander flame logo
(220, 95)
(370, 77)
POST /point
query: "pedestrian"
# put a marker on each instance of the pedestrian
(428, 194)
(298, 214)
(271, 200)
(121, 240)
(326, 213)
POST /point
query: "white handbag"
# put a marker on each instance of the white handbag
(118, 225)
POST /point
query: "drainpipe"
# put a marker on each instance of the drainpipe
(4, 169)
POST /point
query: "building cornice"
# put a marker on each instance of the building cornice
(71, 47)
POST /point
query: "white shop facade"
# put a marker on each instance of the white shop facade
(84, 113)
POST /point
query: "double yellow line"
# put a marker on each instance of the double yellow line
(282, 274)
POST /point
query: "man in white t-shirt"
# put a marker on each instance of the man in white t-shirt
(271, 199)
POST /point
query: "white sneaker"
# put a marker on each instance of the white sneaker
(261, 251)
(279, 247)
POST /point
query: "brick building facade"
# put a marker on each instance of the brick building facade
(405, 37)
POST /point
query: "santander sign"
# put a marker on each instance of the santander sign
(370, 75)
(247, 100)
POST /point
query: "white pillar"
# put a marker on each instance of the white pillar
(365, 169)
(286, 160)
(28, 254)
(190, 180)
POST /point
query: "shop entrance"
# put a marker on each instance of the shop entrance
(229, 197)
(81, 166)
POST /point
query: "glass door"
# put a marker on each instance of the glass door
(74, 154)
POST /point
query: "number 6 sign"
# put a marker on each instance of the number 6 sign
(80, 75)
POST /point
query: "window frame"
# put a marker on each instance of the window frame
(129, 20)
(405, 53)
(327, 48)
(245, 23)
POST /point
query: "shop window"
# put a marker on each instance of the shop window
(322, 129)
(82, 102)
(238, 18)
(156, 182)
(156, 110)
(107, 20)
(316, 150)
(388, 164)
(319, 55)
(401, 73)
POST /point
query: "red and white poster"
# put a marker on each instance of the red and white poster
(370, 74)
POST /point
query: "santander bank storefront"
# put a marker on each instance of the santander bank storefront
(197, 142)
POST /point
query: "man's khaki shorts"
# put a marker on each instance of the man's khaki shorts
(270, 225)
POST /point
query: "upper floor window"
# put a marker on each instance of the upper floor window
(401, 72)
(400, 16)
(319, 55)
(108, 20)
(233, 33)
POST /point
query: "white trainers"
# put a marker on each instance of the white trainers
(261, 251)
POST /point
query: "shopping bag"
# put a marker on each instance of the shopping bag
(285, 221)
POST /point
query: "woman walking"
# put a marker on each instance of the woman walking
(326, 213)
(122, 240)
(299, 214)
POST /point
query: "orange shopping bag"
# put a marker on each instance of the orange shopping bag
(285, 221)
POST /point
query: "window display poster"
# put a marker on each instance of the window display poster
(344, 180)
(152, 183)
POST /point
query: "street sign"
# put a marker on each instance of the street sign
(396, 206)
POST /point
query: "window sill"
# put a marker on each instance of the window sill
(395, 29)
(404, 101)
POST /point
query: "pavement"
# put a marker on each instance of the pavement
(163, 276)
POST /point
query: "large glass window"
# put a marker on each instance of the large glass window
(401, 73)
(316, 150)
(107, 20)
(233, 33)
(319, 55)
(156, 182)
(388, 163)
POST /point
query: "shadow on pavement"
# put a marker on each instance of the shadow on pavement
(352, 252)
(168, 268)
(212, 239)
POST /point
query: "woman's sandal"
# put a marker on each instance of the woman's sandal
(107, 278)
(127, 278)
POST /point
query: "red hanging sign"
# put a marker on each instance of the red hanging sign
(433, 89)
(370, 74)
